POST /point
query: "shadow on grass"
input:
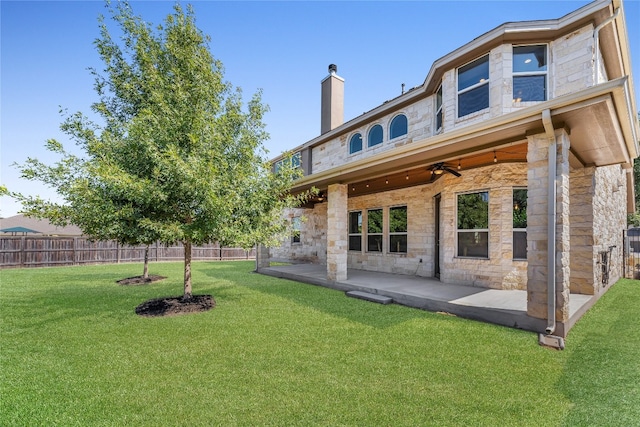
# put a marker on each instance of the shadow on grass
(602, 374)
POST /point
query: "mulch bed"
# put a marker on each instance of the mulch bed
(139, 280)
(172, 306)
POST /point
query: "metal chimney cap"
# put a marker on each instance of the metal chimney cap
(333, 68)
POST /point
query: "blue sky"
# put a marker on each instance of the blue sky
(283, 48)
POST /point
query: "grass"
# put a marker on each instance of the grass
(276, 352)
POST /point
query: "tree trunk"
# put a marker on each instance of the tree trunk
(187, 270)
(145, 271)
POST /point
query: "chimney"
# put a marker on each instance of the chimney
(332, 103)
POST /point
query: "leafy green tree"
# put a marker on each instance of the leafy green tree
(177, 157)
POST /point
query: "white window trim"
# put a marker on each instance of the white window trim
(532, 73)
(477, 230)
(402, 113)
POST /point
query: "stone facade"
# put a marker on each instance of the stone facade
(591, 196)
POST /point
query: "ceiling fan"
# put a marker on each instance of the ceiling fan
(440, 168)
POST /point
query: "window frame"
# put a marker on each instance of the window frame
(391, 123)
(404, 233)
(373, 234)
(439, 113)
(475, 86)
(296, 227)
(369, 144)
(545, 73)
(351, 150)
(518, 230)
(351, 234)
(477, 231)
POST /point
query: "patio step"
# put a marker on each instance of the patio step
(380, 299)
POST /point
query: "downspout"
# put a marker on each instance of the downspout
(551, 223)
(596, 37)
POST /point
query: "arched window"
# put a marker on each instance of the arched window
(375, 136)
(398, 126)
(355, 143)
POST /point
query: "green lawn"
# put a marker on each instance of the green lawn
(276, 352)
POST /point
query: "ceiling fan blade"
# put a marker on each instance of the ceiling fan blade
(451, 171)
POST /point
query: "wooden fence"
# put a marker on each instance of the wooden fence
(54, 251)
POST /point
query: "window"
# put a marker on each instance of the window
(473, 225)
(296, 161)
(530, 73)
(374, 230)
(439, 110)
(295, 225)
(375, 136)
(519, 223)
(473, 86)
(398, 126)
(398, 229)
(355, 143)
(355, 231)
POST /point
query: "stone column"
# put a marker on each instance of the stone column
(537, 226)
(262, 257)
(337, 232)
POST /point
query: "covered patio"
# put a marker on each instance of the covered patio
(501, 307)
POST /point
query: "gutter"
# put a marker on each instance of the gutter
(551, 223)
(596, 44)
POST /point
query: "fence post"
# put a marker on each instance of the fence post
(75, 243)
(23, 242)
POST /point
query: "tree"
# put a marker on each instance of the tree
(177, 158)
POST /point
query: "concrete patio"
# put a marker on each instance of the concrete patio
(501, 307)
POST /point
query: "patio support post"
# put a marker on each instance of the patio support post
(538, 219)
(262, 257)
(337, 232)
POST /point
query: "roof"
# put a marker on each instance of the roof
(22, 230)
(42, 226)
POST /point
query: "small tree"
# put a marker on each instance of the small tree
(177, 158)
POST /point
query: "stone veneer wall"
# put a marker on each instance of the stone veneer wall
(570, 69)
(420, 229)
(500, 271)
(598, 219)
(313, 237)
(609, 219)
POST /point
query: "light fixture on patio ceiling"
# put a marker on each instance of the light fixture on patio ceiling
(440, 168)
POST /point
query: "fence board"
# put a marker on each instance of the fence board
(51, 251)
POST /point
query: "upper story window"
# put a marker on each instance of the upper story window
(530, 73)
(398, 126)
(355, 143)
(296, 161)
(439, 109)
(375, 136)
(473, 86)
